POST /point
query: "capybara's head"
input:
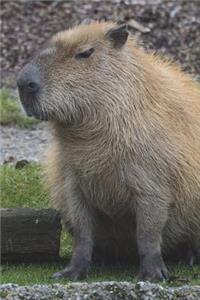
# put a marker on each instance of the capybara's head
(75, 74)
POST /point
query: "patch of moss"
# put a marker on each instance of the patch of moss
(3, 294)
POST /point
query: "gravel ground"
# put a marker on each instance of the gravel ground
(99, 291)
(18, 144)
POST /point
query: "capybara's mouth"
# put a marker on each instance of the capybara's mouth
(33, 109)
(40, 115)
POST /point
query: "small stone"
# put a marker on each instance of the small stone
(9, 159)
(20, 164)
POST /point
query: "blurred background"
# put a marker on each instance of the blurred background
(170, 27)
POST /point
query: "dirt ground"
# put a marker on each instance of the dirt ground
(174, 27)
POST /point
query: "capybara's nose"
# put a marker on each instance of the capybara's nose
(28, 81)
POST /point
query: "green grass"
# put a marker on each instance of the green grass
(41, 274)
(23, 188)
(11, 113)
(28, 274)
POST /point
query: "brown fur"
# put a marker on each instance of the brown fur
(124, 163)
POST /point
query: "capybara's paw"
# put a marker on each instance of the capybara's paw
(153, 272)
(190, 257)
(71, 272)
(193, 257)
(77, 269)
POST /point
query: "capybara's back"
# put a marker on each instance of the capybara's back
(124, 164)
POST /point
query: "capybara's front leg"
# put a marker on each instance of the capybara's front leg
(193, 255)
(83, 245)
(151, 218)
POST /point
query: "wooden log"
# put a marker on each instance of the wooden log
(30, 235)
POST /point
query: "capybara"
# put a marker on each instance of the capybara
(124, 161)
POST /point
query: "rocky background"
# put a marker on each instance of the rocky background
(100, 291)
(171, 27)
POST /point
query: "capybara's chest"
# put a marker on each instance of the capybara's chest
(106, 192)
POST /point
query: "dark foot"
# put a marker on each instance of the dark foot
(193, 257)
(70, 273)
(73, 272)
(153, 270)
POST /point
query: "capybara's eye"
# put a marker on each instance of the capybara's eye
(84, 54)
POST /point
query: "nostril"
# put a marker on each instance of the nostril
(33, 86)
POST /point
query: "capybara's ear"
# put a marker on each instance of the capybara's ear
(118, 35)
